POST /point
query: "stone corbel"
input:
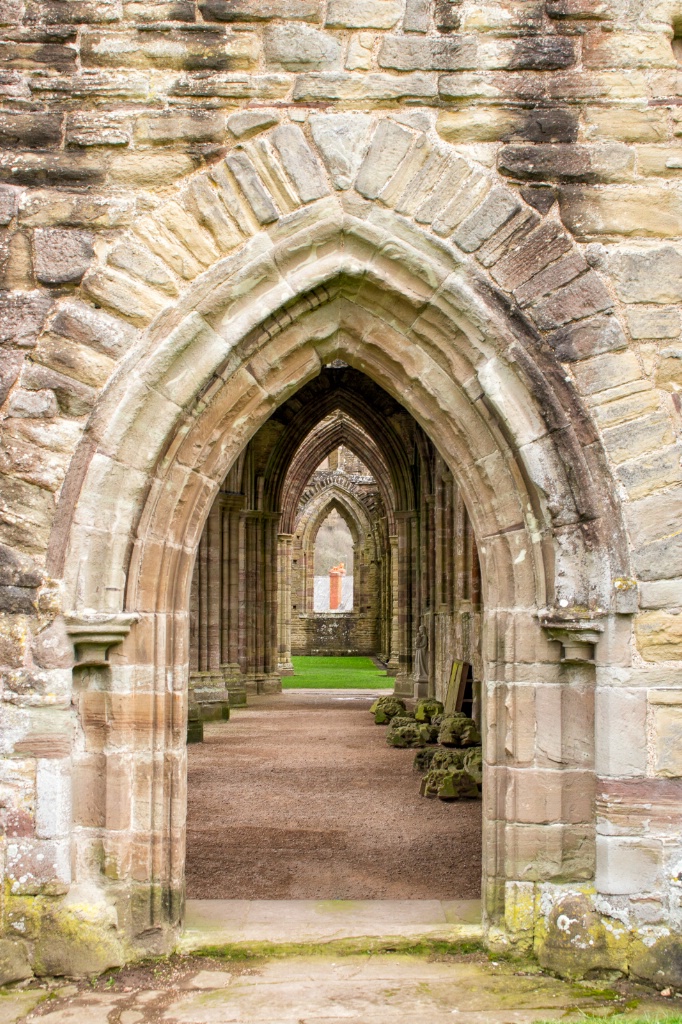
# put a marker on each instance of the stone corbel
(578, 637)
(93, 636)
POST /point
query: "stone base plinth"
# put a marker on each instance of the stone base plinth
(421, 689)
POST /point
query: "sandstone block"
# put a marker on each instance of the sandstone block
(149, 170)
(38, 56)
(300, 48)
(645, 324)
(532, 53)
(477, 124)
(73, 360)
(175, 127)
(661, 594)
(579, 9)
(389, 146)
(370, 88)
(649, 212)
(622, 752)
(38, 866)
(203, 201)
(246, 123)
(85, 129)
(260, 10)
(583, 297)
(417, 16)
(540, 248)
(359, 54)
(300, 163)
(10, 367)
(33, 404)
(363, 13)
(638, 437)
(53, 799)
(666, 707)
(52, 208)
(47, 167)
(22, 316)
(87, 326)
(14, 961)
(118, 292)
(659, 636)
(497, 208)
(257, 196)
(567, 163)
(137, 260)
(214, 49)
(588, 338)
(30, 131)
(626, 866)
(607, 371)
(60, 255)
(652, 275)
(342, 141)
(9, 202)
(627, 50)
(411, 53)
(626, 124)
(652, 472)
(670, 368)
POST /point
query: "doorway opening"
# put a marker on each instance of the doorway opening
(299, 795)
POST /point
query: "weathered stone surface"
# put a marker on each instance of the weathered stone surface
(588, 338)
(92, 327)
(567, 163)
(177, 127)
(659, 638)
(390, 144)
(252, 187)
(648, 276)
(342, 141)
(458, 731)
(651, 212)
(22, 316)
(584, 297)
(495, 210)
(647, 323)
(14, 961)
(213, 49)
(61, 256)
(249, 122)
(367, 14)
(364, 89)
(409, 53)
(300, 163)
(300, 48)
(33, 404)
(260, 10)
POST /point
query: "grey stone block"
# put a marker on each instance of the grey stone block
(61, 255)
(300, 48)
(252, 187)
(388, 148)
(496, 209)
(341, 140)
(445, 53)
(300, 163)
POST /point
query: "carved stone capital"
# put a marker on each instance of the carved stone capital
(92, 636)
(578, 636)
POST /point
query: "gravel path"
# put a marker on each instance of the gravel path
(299, 797)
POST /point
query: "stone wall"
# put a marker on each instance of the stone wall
(477, 203)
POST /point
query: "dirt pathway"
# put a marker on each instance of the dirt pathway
(299, 797)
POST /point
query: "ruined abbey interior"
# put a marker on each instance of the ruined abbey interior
(412, 264)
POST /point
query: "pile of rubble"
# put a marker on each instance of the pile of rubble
(449, 746)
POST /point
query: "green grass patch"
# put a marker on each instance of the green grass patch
(340, 947)
(349, 673)
(620, 1018)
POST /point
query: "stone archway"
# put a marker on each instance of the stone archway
(177, 416)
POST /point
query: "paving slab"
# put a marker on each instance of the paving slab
(216, 922)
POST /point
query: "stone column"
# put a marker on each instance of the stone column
(232, 505)
(284, 554)
(407, 574)
(393, 594)
(208, 684)
(271, 681)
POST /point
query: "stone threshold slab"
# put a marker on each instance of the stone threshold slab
(222, 922)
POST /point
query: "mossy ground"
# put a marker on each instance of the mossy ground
(348, 673)
(622, 1018)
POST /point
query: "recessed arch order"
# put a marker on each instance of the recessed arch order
(248, 334)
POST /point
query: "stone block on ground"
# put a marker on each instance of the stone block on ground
(386, 708)
(427, 708)
(459, 731)
(449, 784)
